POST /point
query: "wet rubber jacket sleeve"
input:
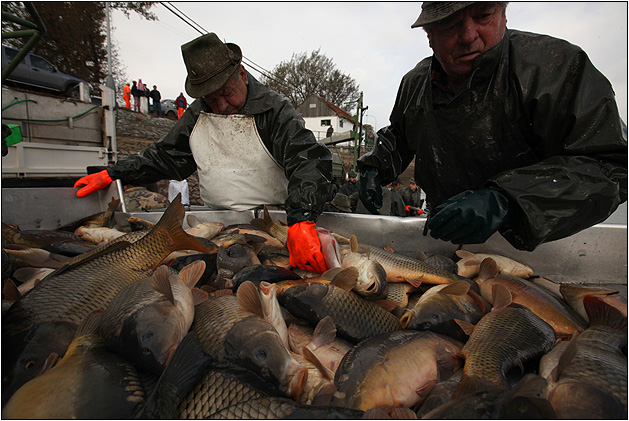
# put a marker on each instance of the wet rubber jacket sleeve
(535, 120)
(306, 162)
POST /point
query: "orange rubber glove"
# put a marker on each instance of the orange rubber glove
(304, 247)
(92, 183)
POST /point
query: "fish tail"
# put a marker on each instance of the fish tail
(470, 384)
(171, 222)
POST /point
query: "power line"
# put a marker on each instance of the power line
(202, 31)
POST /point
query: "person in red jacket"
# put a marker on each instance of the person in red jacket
(181, 104)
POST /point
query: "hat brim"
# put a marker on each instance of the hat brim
(440, 11)
(216, 82)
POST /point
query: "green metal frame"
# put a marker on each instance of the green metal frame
(35, 31)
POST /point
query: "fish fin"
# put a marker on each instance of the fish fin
(340, 238)
(414, 282)
(501, 296)
(469, 385)
(259, 224)
(388, 305)
(221, 292)
(10, 291)
(267, 216)
(49, 363)
(324, 333)
(479, 300)
(171, 222)
(456, 288)
(192, 220)
(389, 249)
(161, 283)
(376, 413)
(90, 256)
(346, 279)
(353, 244)
(249, 298)
(601, 313)
(464, 254)
(566, 357)
(199, 296)
(573, 292)
(466, 327)
(447, 362)
(421, 256)
(425, 389)
(488, 269)
(312, 358)
(184, 369)
(329, 274)
(89, 325)
(191, 274)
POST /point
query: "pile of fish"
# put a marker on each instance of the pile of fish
(150, 321)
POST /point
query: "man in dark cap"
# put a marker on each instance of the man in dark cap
(247, 142)
(349, 188)
(511, 131)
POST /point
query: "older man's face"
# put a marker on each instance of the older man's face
(230, 98)
(459, 39)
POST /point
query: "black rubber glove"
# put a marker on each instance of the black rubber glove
(370, 189)
(470, 217)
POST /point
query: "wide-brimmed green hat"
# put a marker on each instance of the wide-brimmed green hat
(210, 62)
(434, 11)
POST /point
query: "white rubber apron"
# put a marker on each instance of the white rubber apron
(236, 171)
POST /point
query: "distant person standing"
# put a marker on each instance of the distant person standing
(137, 94)
(181, 104)
(126, 95)
(156, 97)
(350, 187)
(329, 132)
(411, 196)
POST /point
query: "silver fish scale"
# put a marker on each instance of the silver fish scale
(74, 294)
(597, 364)
(355, 317)
(214, 392)
(212, 321)
(401, 262)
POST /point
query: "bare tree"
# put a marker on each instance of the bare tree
(304, 75)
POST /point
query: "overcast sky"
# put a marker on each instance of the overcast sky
(370, 41)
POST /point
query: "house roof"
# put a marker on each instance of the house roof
(339, 111)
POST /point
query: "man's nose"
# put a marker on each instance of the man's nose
(469, 31)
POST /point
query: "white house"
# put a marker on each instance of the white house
(319, 114)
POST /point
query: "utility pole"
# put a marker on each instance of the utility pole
(358, 133)
(109, 82)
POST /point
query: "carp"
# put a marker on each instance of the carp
(147, 319)
(469, 265)
(398, 369)
(372, 277)
(73, 291)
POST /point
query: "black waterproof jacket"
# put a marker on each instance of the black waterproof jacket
(535, 119)
(307, 163)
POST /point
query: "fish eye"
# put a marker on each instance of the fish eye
(260, 355)
(147, 337)
(29, 364)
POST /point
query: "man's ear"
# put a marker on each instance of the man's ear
(243, 74)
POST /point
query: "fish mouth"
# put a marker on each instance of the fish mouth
(406, 318)
(296, 383)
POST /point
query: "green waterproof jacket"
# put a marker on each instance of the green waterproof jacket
(307, 163)
(535, 119)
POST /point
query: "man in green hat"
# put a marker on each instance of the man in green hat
(511, 131)
(247, 142)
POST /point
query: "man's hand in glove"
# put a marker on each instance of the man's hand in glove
(92, 183)
(304, 247)
(470, 217)
(370, 189)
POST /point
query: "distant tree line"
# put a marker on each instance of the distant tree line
(306, 74)
(76, 35)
